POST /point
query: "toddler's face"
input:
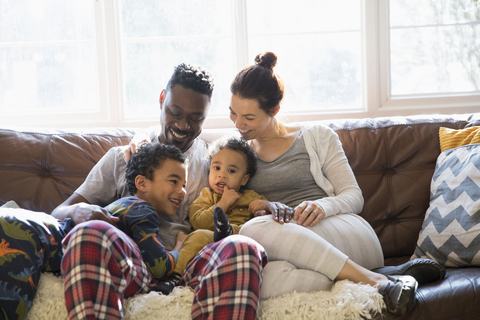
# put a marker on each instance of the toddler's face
(228, 167)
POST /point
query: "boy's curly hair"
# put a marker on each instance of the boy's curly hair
(236, 144)
(192, 77)
(149, 157)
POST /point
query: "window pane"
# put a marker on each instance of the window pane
(283, 16)
(438, 51)
(45, 20)
(47, 56)
(319, 72)
(149, 66)
(318, 44)
(428, 12)
(150, 18)
(37, 78)
(158, 35)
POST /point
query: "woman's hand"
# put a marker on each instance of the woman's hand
(308, 213)
(281, 213)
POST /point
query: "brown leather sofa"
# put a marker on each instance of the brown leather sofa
(392, 158)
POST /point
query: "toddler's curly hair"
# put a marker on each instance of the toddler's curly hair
(236, 144)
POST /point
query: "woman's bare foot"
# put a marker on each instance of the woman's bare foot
(398, 291)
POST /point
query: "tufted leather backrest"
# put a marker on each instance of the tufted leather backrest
(393, 160)
(40, 168)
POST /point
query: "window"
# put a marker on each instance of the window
(319, 47)
(434, 47)
(321, 62)
(430, 55)
(48, 58)
(104, 62)
(169, 33)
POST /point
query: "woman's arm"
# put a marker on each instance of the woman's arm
(348, 195)
(332, 172)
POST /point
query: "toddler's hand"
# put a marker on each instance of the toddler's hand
(229, 197)
(180, 238)
(257, 205)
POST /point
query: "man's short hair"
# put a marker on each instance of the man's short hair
(192, 77)
(149, 157)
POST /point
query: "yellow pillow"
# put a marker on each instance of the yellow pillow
(451, 138)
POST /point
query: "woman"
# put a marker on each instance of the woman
(304, 172)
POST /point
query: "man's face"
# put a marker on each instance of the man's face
(183, 112)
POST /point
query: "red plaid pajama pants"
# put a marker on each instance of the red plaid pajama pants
(102, 265)
(226, 276)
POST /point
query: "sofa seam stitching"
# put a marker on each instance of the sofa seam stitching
(43, 166)
(400, 124)
(67, 134)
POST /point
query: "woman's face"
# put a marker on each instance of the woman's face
(250, 120)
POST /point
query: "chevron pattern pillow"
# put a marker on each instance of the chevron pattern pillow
(451, 230)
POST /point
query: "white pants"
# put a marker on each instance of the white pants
(310, 258)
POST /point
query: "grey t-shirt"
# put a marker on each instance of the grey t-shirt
(287, 179)
(106, 183)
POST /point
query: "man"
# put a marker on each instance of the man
(101, 267)
(184, 106)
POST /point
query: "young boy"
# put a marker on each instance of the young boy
(224, 207)
(31, 242)
(155, 178)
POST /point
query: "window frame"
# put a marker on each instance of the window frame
(377, 98)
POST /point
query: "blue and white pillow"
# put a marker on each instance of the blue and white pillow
(451, 230)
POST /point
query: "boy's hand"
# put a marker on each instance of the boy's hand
(229, 197)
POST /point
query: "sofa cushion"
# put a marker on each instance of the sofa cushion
(451, 138)
(40, 167)
(451, 230)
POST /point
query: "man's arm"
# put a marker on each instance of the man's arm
(77, 208)
(100, 188)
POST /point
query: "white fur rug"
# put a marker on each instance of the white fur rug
(346, 300)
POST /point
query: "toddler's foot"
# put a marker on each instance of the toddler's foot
(167, 286)
(222, 226)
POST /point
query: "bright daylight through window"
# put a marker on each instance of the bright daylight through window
(104, 62)
(434, 46)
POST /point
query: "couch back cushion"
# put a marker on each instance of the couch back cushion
(393, 160)
(40, 168)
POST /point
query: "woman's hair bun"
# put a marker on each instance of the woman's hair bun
(267, 59)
